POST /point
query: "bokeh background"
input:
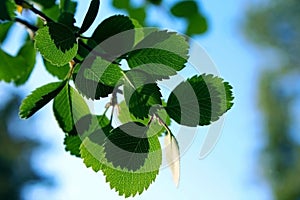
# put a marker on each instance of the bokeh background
(254, 45)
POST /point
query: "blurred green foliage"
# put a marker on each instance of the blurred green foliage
(276, 25)
(196, 21)
(16, 170)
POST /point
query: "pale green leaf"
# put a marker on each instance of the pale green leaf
(39, 98)
(57, 43)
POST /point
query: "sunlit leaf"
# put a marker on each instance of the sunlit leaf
(160, 54)
(57, 48)
(39, 98)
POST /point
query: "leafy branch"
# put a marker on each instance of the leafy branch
(129, 153)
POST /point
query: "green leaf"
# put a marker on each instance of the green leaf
(127, 146)
(67, 19)
(57, 43)
(185, 9)
(18, 68)
(45, 4)
(197, 25)
(4, 28)
(140, 96)
(39, 98)
(129, 183)
(102, 71)
(155, 2)
(7, 9)
(125, 117)
(124, 180)
(108, 31)
(72, 144)
(90, 16)
(59, 72)
(121, 4)
(69, 107)
(68, 6)
(200, 100)
(160, 54)
(89, 88)
(91, 149)
(138, 13)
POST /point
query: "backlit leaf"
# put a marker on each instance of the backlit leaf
(72, 144)
(39, 98)
(57, 43)
(4, 28)
(7, 8)
(160, 54)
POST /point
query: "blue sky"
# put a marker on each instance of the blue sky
(230, 171)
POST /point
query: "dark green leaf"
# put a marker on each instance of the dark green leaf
(155, 2)
(68, 6)
(138, 13)
(4, 28)
(200, 100)
(45, 3)
(69, 107)
(90, 16)
(197, 25)
(89, 88)
(59, 72)
(127, 146)
(121, 4)
(160, 54)
(7, 8)
(39, 98)
(140, 96)
(18, 68)
(102, 71)
(107, 39)
(72, 144)
(57, 43)
(67, 19)
(125, 116)
(185, 9)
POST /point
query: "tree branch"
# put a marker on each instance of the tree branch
(27, 24)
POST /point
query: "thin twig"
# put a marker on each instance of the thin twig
(27, 24)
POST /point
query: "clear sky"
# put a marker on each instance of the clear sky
(230, 171)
